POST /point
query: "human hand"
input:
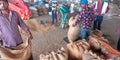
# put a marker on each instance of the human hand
(73, 25)
(103, 14)
(30, 37)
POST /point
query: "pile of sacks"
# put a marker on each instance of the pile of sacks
(34, 11)
(42, 10)
(98, 42)
(60, 54)
(39, 10)
(79, 50)
(96, 49)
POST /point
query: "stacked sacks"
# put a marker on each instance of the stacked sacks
(81, 50)
(73, 32)
(21, 52)
(61, 54)
(99, 34)
(108, 51)
(42, 10)
(76, 49)
(89, 55)
(34, 11)
(93, 42)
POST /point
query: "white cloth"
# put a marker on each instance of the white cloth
(104, 8)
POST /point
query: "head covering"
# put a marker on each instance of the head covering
(84, 2)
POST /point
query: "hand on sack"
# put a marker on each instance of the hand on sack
(30, 37)
(73, 25)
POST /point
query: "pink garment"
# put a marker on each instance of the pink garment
(99, 8)
(21, 8)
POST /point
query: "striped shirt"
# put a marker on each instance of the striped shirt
(99, 8)
(9, 29)
(54, 5)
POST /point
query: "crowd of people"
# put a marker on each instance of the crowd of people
(90, 19)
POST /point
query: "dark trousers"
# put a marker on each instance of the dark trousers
(97, 22)
(54, 16)
(118, 44)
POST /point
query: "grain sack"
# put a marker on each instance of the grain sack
(94, 43)
(21, 52)
(76, 49)
(34, 11)
(73, 32)
(89, 55)
(61, 54)
(42, 10)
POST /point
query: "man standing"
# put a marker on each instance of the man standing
(54, 11)
(86, 17)
(9, 22)
(101, 8)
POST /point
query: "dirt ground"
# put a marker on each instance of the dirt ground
(51, 38)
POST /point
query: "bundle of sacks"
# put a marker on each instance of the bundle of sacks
(21, 52)
(94, 39)
(42, 10)
(74, 31)
(79, 50)
(100, 43)
(89, 55)
(61, 54)
(76, 49)
(108, 51)
(34, 11)
(96, 49)
(99, 34)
